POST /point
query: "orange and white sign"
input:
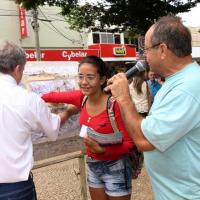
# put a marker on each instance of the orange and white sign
(115, 52)
(61, 54)
(108, 52)
(119, 51)
(22, 22)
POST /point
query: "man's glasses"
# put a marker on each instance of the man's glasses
(87, 77)
(151, 47)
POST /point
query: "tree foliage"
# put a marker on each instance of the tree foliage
(140, 14)
(135, 15)
(33, 4)
(82, 17)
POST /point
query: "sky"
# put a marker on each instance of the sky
(191, 18)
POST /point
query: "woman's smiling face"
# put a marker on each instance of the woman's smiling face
(89, 79)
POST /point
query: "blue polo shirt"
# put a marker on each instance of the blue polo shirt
(173, 127)
(154, 87)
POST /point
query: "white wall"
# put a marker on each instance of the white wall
(52, 67)
(49, 37)
(196, 52)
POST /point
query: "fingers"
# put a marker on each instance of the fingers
(89, 141)
(110, 81)
(116, 77)
(115, 81)
(93, 145)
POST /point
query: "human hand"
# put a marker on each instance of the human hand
(118, 85)
(67, 113)
(93, 145)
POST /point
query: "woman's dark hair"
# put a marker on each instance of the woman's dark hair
(138, 81)
(139, 78)
(97, 62)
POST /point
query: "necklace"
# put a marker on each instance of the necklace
(89, 118)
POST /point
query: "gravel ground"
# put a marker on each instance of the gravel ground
(61, 182)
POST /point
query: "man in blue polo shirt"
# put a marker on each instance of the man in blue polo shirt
(154, 85)
(170, 134)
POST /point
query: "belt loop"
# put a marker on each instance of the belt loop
(31, 175)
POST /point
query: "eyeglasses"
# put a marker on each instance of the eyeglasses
(151, 47)
(87, 77)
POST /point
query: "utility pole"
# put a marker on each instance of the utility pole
(140, 47)
(35, 26)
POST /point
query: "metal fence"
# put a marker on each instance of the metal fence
(61, 177)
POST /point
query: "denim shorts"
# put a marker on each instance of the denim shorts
(24, 190)
(114, 176)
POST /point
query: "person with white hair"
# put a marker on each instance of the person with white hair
(21, 114)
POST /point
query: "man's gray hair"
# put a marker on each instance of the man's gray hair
(11, 55)
(174, 34)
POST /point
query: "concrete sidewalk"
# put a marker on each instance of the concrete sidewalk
(61, 182)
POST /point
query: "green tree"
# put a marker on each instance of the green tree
(33, 4)
(115, 15)
(82, 17)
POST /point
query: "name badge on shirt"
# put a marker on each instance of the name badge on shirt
(83, 131)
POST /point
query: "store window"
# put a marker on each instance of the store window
(106, 38)
(96, 38)
(117, 38)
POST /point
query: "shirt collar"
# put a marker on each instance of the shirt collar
(8, 78)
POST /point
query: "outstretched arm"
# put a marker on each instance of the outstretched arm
(74, 97)
(66, 114)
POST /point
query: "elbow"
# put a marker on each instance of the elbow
(144, 145)
(144, 148)
(141, 141)
(44, 97)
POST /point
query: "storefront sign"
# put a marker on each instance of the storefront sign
(61, 55)
(119, 51)
(22, 22)
(115, 52)
(108, 52)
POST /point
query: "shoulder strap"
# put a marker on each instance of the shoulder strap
(111, 114)
(84, 101)
(149, 96)
(110, 110)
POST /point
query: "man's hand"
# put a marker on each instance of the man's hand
(132, 120)
(118, 85)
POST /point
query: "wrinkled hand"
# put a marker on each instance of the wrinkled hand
(67, 113)
(118, 85)
(93, 145)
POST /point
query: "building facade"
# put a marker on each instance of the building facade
(54, 32)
